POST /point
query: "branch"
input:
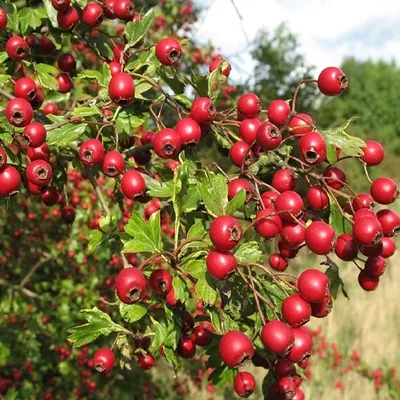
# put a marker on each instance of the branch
(33, 270)
(98, 191)
(139, 149)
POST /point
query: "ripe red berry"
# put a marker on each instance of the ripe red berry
(61, 5)
(313, 148)
(122, 89)
(3, 157)
(346, 247)
(201, 336)
(373, 153)
(130, 285)
(93, 14)
(277, 337)
(203, 110)
(362, 200)
(189, 131)
(302, 348)
(103, 360)
(336, 177)
(323, 308)
(124, 9)
(68, 214)
(238, 184)
(313, 285)
(160, 281)
(286, 251)
(332, 81)
(167, 143)
(278, 262)
(284, 367)
(283, 180)
(241, 154)
(225, 232)
(10, 180)
(68, 19)
(301, 124)
(39, 172)
(268, 223)
(50, 196)
(375, 266)
(235, 349)
(186, 347)
(146, 361)
(91, 152)
(19, 112)
(17, 48)
(108, 7)
(244, 384)
(132, 184)
(170, 299)
(168, 51)
(248, 129)
(289, 201)
(296, 310)
(320, 237)
(39, 153)
(317, 198)
(372, 251)
(388, 247)
(113, 164)
(363, 212)
(66, 62)
(268, 199)
(390, 222)
(221, 264)
(367, 230)
(278, 112)
(50, 108)
(268, 136)
(249, 105)
(65, 83)
(285, 388)
(3, 19)
(299, 395)
(384, 190)
(25, 88)
(225, 65)
(367, 282)
(293, 234)
(115, 67)
(34, 134)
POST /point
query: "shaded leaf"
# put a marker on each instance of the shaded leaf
(248, 252)
(132, 312)
(237, 202)
(85, 112)
(214, 193)
(181, 289)
(206, 289)
(46, 75)
(135, 30)
(65, 135)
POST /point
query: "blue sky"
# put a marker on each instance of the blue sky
(328, 30)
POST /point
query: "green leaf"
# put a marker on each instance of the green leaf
(147, 237)
(51, 12)
(172, 79)
(11, 395)
(132, 312)
(145, 58)
(221, 139)
(196, 268)
(206, 289)
(181, 289)
(65, 135)
(159, 189)
(4, 353)
(248, 252)
(3, 57)
(215, 316)
(101, 46)
(85, 112)
(267, 382)
(102, 77)
(99, 323)
(30, 18)
(349, 145)
(339, 223)
(161, 333)
(142, 87)
(108, 223)
(214, 193)
(216, 79)
(170, 355)
(6, 137)
(199, 84)
(331, 154)
(237, 202)
(45, 74)
(197, 230)
(95, 238)
(127, 121)
(135, 31)
(336, 280)
(183, 100)
(12, 16)
(223, 376)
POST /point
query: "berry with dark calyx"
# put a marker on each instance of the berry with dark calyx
(130, 285)
(17, 48)
(65, 83)
(113, 164)
(203, 110)
(68, 19)
(225, 232)
(244, 384)
(37, 101)
(372, 251)
(167, 143)
(320, 237)
(238, 184)
(313, 285)
(384, 190)
(91, 152)
(249, 105)
(332, 81)
(268, 224)
(317, 198)
(335, 177)
(124, 9)
(189, 131)
(301, 124)
(362, 200)
(278, 112)
(39, 172)
(346, 247)
(160, 281)
(248, 129)
(293, 233)
(66, 62)
(187, 321)
(388, 247)
(19, 112)
(146, 361)
(186, 347)
(375, 266)
(373, 153)
(3, 19)
(302, 348)
(103, 360)
(122, 89)
(286, 251)
(268, 136)
(367, 230)
(286, 388)
(3, 157)
(277, 337)
(34, 134)
(50, 196)
(132, 184)
(390, 221)
(220, 264)
(299, 395)
(143, 157)
(313, 148)
(268, 198)
(367, 282)
(235, 349)
(39, 153)
(226, 67)
(61, 5)
(296, 310)
(68, 214)
(201, 336)
(168, 51)
(323, 308)
(278, 262)
(283, 180)
(284, 367)
(25, 88)
(92, 14)
(291, 202)
(10, 180)
(241, 154)
(46, 46)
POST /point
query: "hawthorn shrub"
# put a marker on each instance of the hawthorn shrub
(143, 195)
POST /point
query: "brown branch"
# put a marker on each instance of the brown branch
(98, 191)
(255, 296)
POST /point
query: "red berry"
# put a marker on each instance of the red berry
(3, 19)
(313, 285)
(10, 180)
(132, 184)
(93, 14)
(372, 251)
(362, 200)
(289, 201)
(284, 367)
(35, 134)
(124, 9)
(203, 110)
(113, 164)
(241, 154)
(244, 384)
(367, 282)
(317, 198)
(268, 199)
(50, 108)
(296, 310)
(373, 153)
(91, 152)
(130, 285)
(388, 247)
(61, 5)
(375, 266)
(367, 230)
(189, 131)
(302, 348)
(238, 184)
(201, 336)
(286, 388)
(220, 264)
(25, 88)
(286, 251)
(268, 136)
(278, 112)
(3, 157)
(19, 112)
(363, 212)
(68, 214)
(146, 361)
(168, 51)
(277, 337)
(160, 281)
(336, 176)
(217, 62)
(299, 395)
(346, 247)
(68, 19)
(268, 225)
(167, 143)
(147, 137)
(225, 232)
(39, 153)
(103, 360)
(115, 67)
(66, 63)
(39, 173)
(50, 196)
(323, 308)
(384, 190)
(122, 89)
(108, 7)
(332, 81)
(301, 124)
(390, 222)
(249, 105)
(248, 129)
(320, 237)
(65, 83)
(235, 349)
(170, 299)
(186, 347)
(283, 180)
(313, 148)
(278, 262)
(17, 48)
(293, 234)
